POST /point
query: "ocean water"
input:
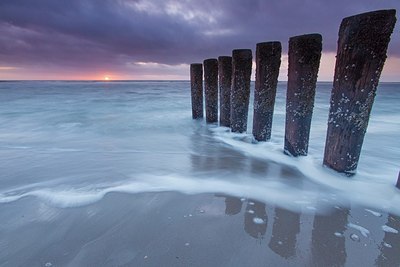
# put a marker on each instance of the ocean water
(118, 174)
(69, 144)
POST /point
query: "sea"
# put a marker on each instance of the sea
(68, 146)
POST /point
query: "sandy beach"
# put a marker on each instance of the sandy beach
(173, 229)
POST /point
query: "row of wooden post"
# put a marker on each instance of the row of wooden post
(362, 46)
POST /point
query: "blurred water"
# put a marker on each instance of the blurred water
(70, 143)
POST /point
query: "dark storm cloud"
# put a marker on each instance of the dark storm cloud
(103, 33)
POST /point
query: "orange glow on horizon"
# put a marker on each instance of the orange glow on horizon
(390, 72)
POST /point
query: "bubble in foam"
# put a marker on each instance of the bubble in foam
(355, 237)
(375, 213)
(387, 245)
(257, 220)
(364, 231)
(389, 229)
(338, 234)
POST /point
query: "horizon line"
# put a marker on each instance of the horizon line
(145, 80)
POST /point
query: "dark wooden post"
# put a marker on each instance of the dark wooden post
(240, 91)
(225, 81)
(211, 89)
(361, 54)
(196, 84)
(398, 181)
(304, 57)
(268, 61)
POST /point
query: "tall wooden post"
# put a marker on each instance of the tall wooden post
(225, 81)
(196, 84)
(304, 58)
(268, 61)
(361, 54)
(240, 91)
(211, 89)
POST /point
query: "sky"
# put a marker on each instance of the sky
(155, 39)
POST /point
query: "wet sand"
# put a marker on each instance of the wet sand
(173, 229)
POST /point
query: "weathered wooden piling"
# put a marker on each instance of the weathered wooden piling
(240, 90)
(304, 58)
(211, 89)
(361, 54)
(225, 81)
(196, 84)
(398, 181)
(268, 62)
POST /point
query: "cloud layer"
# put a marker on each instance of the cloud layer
(135, 38)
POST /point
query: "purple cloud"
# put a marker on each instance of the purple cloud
(116, 34)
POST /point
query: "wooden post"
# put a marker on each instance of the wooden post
(304, 57)
(240, 91)
(361, 54)
(196, 83)
(398, 181)
(225, 81)
(268, 61)
(211, 89)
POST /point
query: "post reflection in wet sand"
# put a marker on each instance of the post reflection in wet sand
(209, 156)
(390, 246)
(284, 232)
(233, 205)
(328, 240)
(255, 216)
(255, 219)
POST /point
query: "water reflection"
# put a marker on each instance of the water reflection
(255, 216)
(284, 232)
(208, 155)
(233, 205)
(390, 246)
(328, 240)
(255, 219)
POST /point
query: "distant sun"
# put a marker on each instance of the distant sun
(106, 78)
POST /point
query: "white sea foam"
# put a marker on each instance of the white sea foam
(375, 213)
(387, 245)
(389, 229)
(270, 192)
(364, 231)
(362, 188)
(264, 191)
(338, 234)
(257, 220)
